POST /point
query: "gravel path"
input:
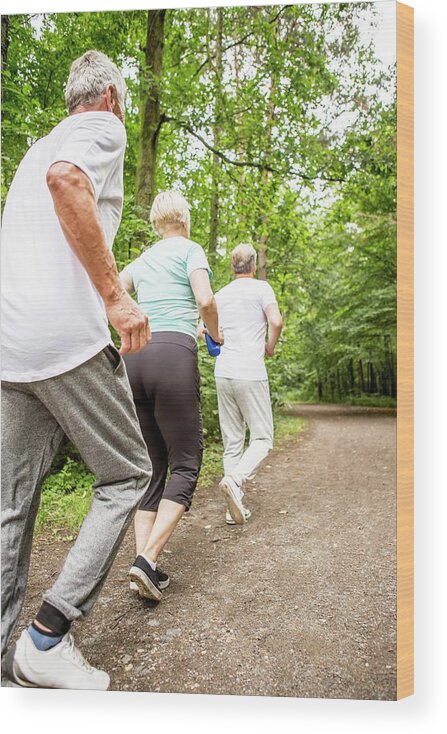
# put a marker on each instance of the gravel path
(299, 602)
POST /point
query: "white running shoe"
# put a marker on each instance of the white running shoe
(233, 497)
(229, 520)
(62, 666)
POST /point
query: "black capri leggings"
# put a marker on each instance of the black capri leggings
(165, 382)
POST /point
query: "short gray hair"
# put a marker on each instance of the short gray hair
(89, 75)
(243, 258)
(169, 208)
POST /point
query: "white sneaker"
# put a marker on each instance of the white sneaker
(229, 520)
(62, 666)
(233, 497)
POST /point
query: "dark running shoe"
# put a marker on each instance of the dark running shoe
(145, 578)
(163, 579)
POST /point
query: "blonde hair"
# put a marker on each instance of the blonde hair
(169, 207)
(243, 258)
(89, 76)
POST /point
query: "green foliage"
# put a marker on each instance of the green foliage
(286, 426)
(208, 396)
(306, 127)
(66, 497)
(372, 401)
(67, 492)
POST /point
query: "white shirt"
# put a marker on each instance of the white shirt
(241, 306)
(53, 318)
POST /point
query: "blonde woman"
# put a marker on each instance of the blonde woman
(172, 284)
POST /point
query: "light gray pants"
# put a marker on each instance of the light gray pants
(92, 404)
(244, 403)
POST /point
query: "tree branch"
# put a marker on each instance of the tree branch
(249, 164)
(240, 41)
(222, 156)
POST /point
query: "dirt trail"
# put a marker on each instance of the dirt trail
(299, 602)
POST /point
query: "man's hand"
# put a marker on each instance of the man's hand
(269, 350)
(220, 340)
(130, 322)
(202, 330)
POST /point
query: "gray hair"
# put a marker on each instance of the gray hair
(243, 258)
(169, 208)
(89, 75)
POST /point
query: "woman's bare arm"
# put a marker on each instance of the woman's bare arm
(126, 281)
(206, 303)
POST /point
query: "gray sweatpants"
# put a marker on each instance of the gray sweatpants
(244, 403)
(92, 404)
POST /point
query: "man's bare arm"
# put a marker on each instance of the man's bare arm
(275, 324)
(75, 206)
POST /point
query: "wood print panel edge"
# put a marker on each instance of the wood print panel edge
(405, 352)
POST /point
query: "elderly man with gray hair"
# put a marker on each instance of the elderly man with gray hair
(245, 306)
(61, 375)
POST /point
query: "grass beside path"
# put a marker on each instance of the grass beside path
(66, 496)
(369, 401)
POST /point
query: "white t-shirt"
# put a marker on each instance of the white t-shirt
(53, 318)
(241, 306)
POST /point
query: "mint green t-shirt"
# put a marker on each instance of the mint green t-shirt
(160, 278)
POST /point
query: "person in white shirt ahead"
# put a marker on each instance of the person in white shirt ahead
(246, 307)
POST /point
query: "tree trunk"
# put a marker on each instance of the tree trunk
(384, 382)
(151, 116)
(351, 375)
(393, 386)
(266, 174)
(390, 366)
(5, 45)
(242, 222)
(339, 388)
(320, 389)
(361, 376)
(332, 386)
(216, 162)
(238, 63)
(372, 386)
